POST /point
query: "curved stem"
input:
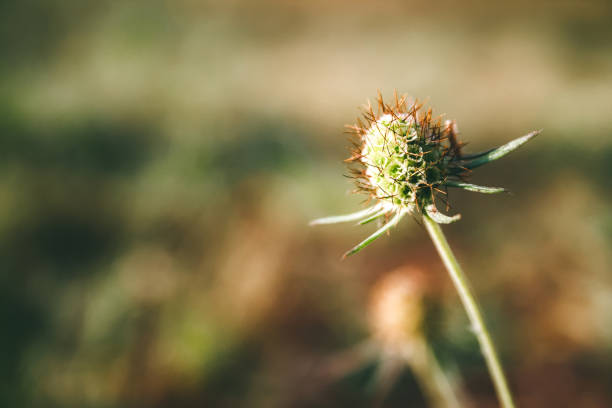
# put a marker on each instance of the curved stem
(473, 311)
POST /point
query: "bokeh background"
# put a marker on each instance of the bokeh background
(160, 161)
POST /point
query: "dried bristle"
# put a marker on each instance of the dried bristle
(435, 147)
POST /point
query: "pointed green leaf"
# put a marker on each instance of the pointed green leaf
(476, 155)
(497, 153)
(374, 217)
(346, 218)
(474, 187)
(393, 221)
(438, 217)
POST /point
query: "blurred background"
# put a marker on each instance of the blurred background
(160, 161)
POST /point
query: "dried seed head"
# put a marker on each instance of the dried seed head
(406, 157)
(406, 160)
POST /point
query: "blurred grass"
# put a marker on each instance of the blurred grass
(159, 162)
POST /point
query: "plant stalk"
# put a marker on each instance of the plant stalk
(469, 302)
(438, 388)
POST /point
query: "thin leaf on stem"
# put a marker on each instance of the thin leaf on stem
(497, 153)
(374, 217)
(438, 217)
(346, 218)
(393, 221)
(474, 187)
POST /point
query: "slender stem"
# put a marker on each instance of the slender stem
(473, 311)
(438, 388)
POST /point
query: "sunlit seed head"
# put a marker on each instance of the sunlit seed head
(405, 155)
(406, 161)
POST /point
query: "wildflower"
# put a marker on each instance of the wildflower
(397, 341)
(406, 161)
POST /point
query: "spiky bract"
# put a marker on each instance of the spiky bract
(405, 156)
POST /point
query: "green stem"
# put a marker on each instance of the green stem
(438, 388)
(473, 311)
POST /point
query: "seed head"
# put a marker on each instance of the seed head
(405, 156)
(396, 310)
(405, 160)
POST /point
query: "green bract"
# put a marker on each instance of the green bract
(406, 161)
